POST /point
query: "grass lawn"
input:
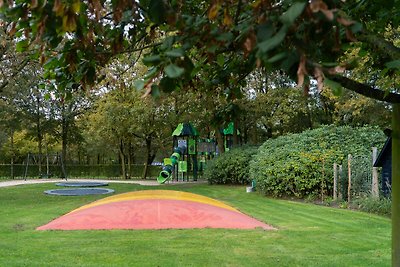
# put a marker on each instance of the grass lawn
(307, 235)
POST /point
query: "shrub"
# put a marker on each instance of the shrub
(378, 206)
(231, 167)
(301, 164)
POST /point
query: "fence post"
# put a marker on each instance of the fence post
(349, 175)
(340, 181)
(335, 176)
(375, 187)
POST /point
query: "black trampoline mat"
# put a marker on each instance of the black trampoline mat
(79, 191)
(82, 184)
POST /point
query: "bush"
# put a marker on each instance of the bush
(380, 206)
(231, 167)
(301, 164)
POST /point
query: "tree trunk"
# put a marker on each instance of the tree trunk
(122, 158)
(396, 186)
(309, 112)
(46, 147)
(148, 158)
(128, 157)
(64, 140)
(64, 143)
(220, 141)
(12, 153)
(39, 135)
(235, 133)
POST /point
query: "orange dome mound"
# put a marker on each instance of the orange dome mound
(154, 209)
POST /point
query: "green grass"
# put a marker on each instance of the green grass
(307, 235)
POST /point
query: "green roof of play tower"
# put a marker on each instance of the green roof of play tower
(229, 129)
(185, 129)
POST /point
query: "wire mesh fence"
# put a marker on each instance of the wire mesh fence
(355, 178)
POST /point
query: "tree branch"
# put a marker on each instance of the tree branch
(365, 90)
(21, 66)
(381, 44)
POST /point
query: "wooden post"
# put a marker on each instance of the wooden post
(340, 181)
(349, 175)
(335, 176)
(375, 187)
(396, 185)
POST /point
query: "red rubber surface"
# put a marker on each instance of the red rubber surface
(153, 214)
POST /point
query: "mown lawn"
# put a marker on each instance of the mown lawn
(307, 235)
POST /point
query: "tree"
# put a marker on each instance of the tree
(9, 119)
(66, 110)
(11, 63)
(128, 121)
(228, 39)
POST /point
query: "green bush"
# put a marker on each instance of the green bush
(378, 206)
(301, 164)
(231, 167)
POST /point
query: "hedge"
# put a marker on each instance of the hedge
(301, 164)
(231, 167)
(101, 170)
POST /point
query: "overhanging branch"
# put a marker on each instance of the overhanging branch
(365, 90)
(383, 46)
(20, 67)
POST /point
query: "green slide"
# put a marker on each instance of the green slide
(169, 164)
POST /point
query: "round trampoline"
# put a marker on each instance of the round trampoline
(82, 184)
(79, 191)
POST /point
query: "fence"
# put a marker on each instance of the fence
(356, 177)
(84, 171)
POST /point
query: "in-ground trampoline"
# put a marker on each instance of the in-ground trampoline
(79, 191)
(82, 184)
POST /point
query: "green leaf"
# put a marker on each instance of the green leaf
(277, 57)
(336, 88)
(329, 64)
(151, 73)
(356, 27)
(178, 52)
(51, 63)
(265, 31)
(173, 71)
(157, 11)
(225, 37)
(167, 85)
(155, 91)
(273, 42)
(152, 60)
(292, 13)
(138, 84)
(22, 45)
(395, 64)
(187, 64)
(168, 42)
(212, 49)
(221, 60)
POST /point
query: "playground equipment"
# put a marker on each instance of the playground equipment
(169, 164)
(158, 209)
(82, 184)
(189, 156)
(228, 136)
(52, 161)
(79, 191)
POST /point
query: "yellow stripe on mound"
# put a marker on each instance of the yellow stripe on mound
(158, 194)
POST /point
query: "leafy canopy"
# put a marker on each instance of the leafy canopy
(221, 40)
